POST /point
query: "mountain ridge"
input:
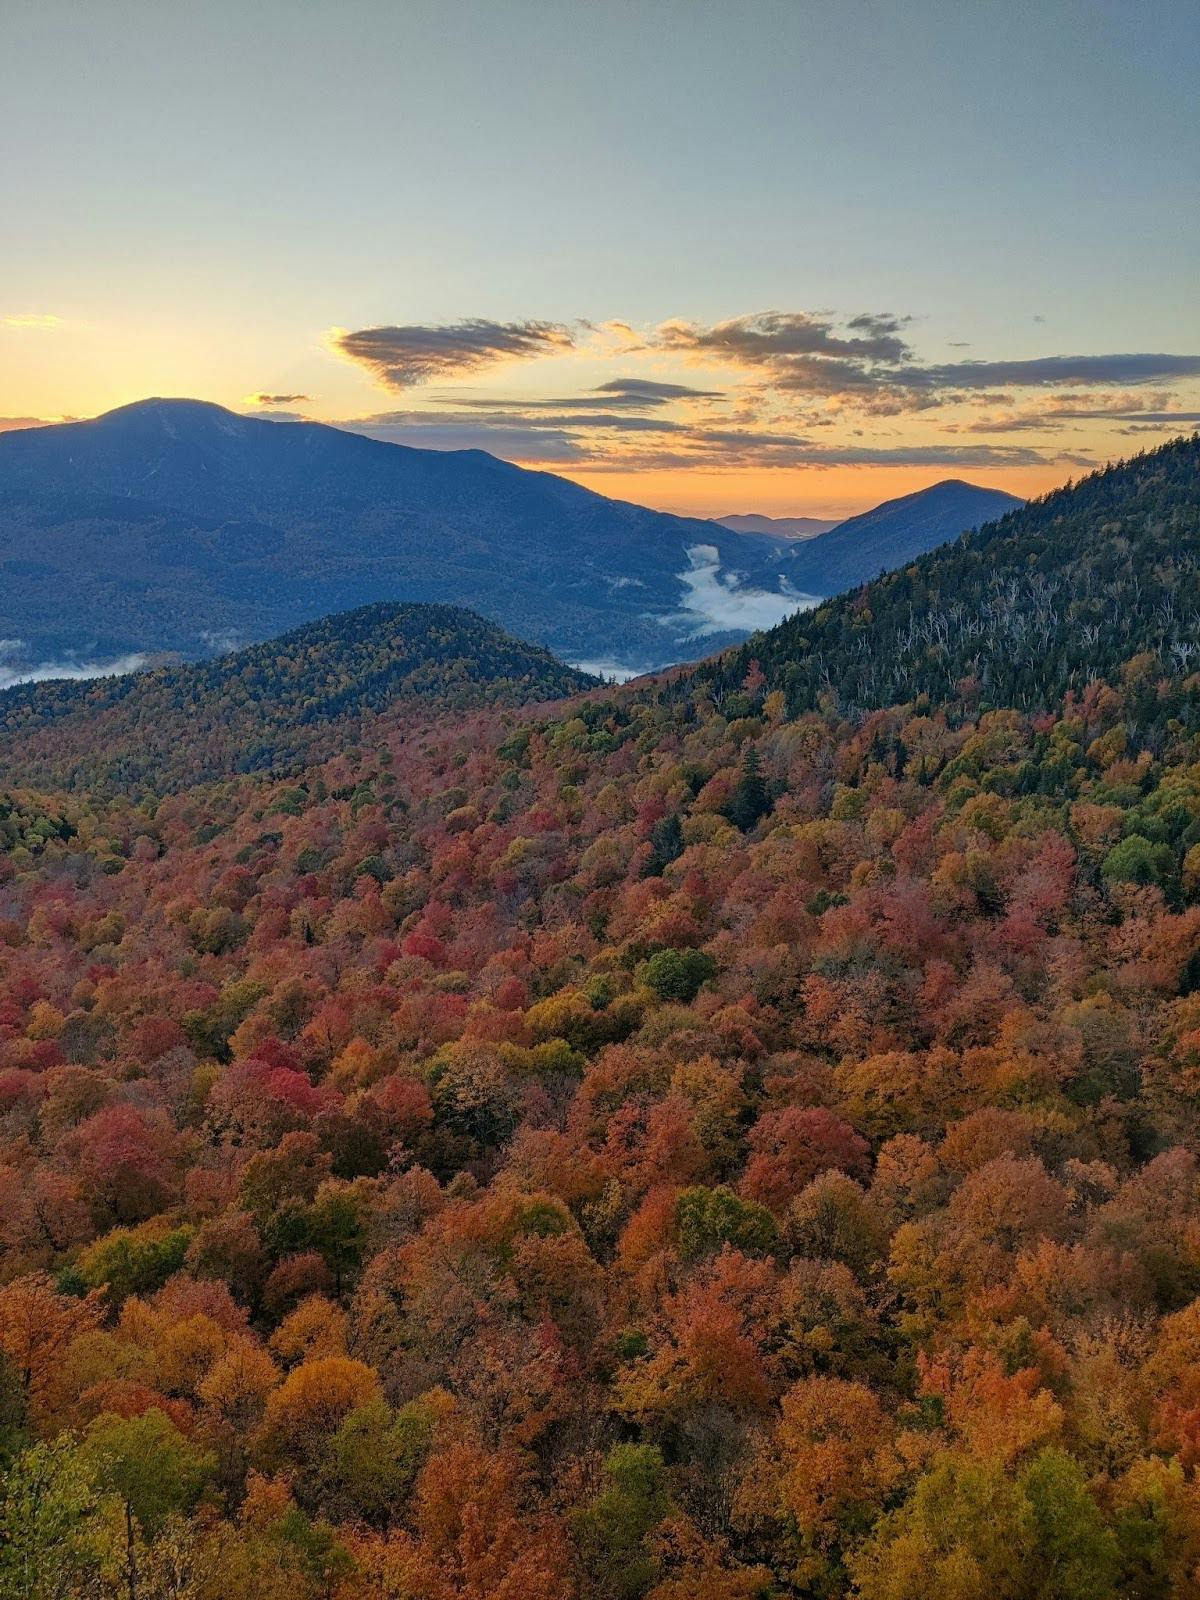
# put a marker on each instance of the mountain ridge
(892, 533)
(1059, 592)
(175, 520)
(174, 525)
(777, 527)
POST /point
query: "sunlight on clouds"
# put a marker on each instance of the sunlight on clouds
(33, 319)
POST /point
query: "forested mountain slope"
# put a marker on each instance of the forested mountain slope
(657, 1147)
(1064, 590)
(174, 525)
(269, 706)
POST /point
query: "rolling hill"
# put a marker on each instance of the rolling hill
(270, 706)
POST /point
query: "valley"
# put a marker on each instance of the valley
(734, 1131)
(175, 528)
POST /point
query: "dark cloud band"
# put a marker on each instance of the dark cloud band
(404, 357)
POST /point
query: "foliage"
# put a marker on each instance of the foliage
(1059, 592)
(271, 706)
(457, 1182)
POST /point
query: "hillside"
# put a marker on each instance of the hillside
(892, 533)
(756, 1157)
(1066, 589)
(175, 525)
(750, 1151)
(269, 706)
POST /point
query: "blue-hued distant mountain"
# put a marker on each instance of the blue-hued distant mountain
(174, 525)
(778, 527)
(178, 526)
(893, 533)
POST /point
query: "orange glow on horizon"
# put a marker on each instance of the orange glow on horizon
(827, 492)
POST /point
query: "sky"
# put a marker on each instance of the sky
(769, 255)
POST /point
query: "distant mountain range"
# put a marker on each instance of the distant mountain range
(777, 527)
(177, 526)
(173, 525)
(270, 706)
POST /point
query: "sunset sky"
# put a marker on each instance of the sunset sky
(766, 256)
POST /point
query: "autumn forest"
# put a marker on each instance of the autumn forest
(730, 1137)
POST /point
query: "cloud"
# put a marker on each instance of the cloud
(730, 450)
(15, 424)
(13, 671)
(623, 394)
(869, 364)
(648, 392)
(622, 442)
(512, 438)
(33, 320)
(614, 671)
(261, 399)
(1153, 409)
(891, 390)
(1159, 419)
(404, 357)
(774, 337)
(715, 604)
(811, 391)
(1049, 371)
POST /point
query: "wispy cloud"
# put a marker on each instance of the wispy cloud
(772, 389)
(622, 442)
(774, 338)
(1051, 372)
(37, 321)
(15, 667)
(261, 399)
(869, 363)
(1062, 410)
(647, 391)
(405, 357)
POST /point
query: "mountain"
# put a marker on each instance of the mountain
(891, 534)
(174, 525)
(268, 706)
(777, 527)
(1061, 591)
(642, 1147)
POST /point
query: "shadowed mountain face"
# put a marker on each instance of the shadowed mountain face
(173, 525)
(270, 705)
(177, 525)
(891, 534)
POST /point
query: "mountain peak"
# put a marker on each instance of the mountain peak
(171, 523)
(893, 533)
(167, 407)
(292, 700)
